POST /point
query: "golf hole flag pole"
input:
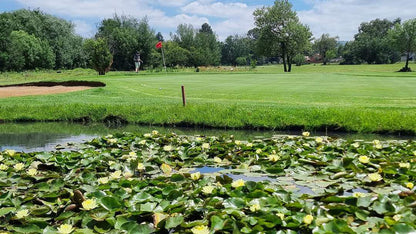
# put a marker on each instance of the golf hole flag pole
(160, 46)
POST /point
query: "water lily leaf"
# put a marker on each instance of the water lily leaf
(173, 222)
(217, 223)
(403, 228)
(84, 231)
(65, 215)
(148, 207)
(133, 227)
(110, 203)
(234, 202)
(4, 211)
(31, 228)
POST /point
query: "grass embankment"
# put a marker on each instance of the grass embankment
(365, 98)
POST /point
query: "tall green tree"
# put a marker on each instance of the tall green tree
(58, 33)
(325, 45)
(126, 35)
(235, 47)
(403, 37)
(99, 55)
(281, 33)
(372, 44)
(206, 50)
(184, 36)
(27, 52)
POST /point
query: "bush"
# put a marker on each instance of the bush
(241, 61)
(299, 60)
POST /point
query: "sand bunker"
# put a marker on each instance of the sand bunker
(44, 88)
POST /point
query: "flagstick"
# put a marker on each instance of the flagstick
(164, 64)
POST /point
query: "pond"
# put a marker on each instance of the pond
(33, 137)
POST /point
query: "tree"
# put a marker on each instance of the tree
(281, 33)
(28, 52)
(233, 48)
(176, 55)
(206, 50)
(325, 46)
(126, 35)
(59, 34)
(403, 37)
(184, 36)
(99, 55)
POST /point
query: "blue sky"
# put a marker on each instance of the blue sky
(227, 17)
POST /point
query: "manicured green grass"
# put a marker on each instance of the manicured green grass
(363, 98)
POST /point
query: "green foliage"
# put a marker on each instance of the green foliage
(55, 33)
(99, 55)
(295, 184)
(176, 55)
(403, 37)
(234, 47)
(126, 35)
(325, 46)
(372, 43)
(241, 61)
(26, 52)
(206, 51)
(281, 33)
(299, 60)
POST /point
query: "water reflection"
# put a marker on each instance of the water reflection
(29, 137)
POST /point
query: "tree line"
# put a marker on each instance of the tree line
(31, 39)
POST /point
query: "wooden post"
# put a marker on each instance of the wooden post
(183, 96)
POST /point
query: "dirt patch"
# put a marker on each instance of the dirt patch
(38, 90)
(46, 87)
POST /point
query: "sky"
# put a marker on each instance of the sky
(227, 17)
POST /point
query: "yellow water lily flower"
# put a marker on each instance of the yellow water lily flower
(167, 148)
(22, 213)
(319, 140)
(32, 171)
(196, 176)
(397, 217)
(103, 180)
(141, 167)
(356, 144)
(208, 189)
(217, 160)
(364, 159)
(375, 177)
(306, 134)
(133, 155)
(115, 175)
(258, 151)
(10, 152)
(154, 132)
(166, 168)
(110, 163)
(65, 229)
(254, 206)
(112, 140)
(198, 139)
(142, 142)
(414, 153)
(237, 142)
(147, 135)
(127, 174)
(89, 204)
(1, 158)
(205, 146)
(409, 185)
(19, 166)
(273, 157)
(238, 183)
(404, 165)
(3, 167)
(201, 229)
(281, 215)
(308, 219)
(249, 144)
(157, 217)
(358, 194)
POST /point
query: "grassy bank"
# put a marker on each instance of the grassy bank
(364, 98)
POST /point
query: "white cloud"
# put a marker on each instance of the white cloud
(83, 28)
(343, 17)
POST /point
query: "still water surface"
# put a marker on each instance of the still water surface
(33, 137)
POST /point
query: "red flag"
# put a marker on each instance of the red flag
(159, 45)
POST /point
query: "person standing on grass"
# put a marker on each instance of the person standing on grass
(137, 61)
